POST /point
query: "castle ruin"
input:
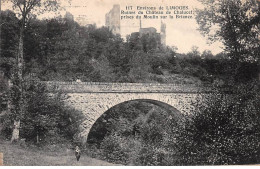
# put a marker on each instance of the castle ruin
(114, 25)
(113, 19)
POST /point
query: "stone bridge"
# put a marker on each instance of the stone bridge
(94, 99)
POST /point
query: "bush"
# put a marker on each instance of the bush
(151, 156)
(114, 149)
(134, 135)
(46, 119)
(225, 129)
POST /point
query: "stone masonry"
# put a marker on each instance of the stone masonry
(94, 99)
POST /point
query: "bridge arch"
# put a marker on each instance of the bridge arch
(107, 101)
(93, 99)
(172, 111)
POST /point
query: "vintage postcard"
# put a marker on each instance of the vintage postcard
(129, 82)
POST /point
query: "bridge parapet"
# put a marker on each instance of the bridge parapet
(101, 87)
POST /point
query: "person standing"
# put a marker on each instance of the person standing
(77, 153)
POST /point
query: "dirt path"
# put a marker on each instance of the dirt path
(71, 161)
(14, 155)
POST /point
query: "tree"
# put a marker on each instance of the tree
(222, 129)
(47, 120)
(25, 10)
(207, 54)
(235, 23)
(194, 53)
(9, 32)
(139, 67)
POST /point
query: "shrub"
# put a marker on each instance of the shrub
(224, 129)
(136, 136)
(114, 149)
(46, 118)
(151, 156)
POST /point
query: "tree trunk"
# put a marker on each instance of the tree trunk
(19, 59)
(15, 134)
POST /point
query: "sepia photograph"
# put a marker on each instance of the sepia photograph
(129, 82)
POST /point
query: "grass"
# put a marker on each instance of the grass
(15, 155)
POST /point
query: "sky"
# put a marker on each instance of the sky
(181, 33)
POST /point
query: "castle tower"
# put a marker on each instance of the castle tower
(163, 33)
(113, 19)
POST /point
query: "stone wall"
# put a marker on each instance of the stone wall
(93, 105)
(98, 87)
(94, 99)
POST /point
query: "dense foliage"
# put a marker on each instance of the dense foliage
(46, 120)
(223, 130)
(60, 49)
(235, 23)
(132, 134)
